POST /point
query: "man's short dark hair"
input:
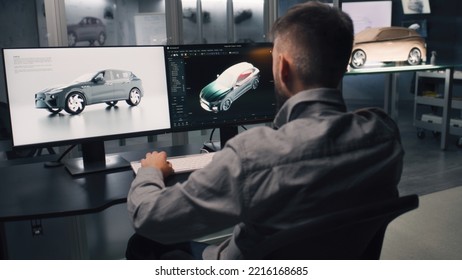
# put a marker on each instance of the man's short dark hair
(322, 39)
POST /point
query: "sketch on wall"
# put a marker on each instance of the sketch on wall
(416, 6)
(150, 29)
(368, 14)
(90, 23)
(88, 29)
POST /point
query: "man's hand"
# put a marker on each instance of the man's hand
(158, 160)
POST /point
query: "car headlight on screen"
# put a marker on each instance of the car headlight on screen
(54, 91)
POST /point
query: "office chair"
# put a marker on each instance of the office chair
(354, 233)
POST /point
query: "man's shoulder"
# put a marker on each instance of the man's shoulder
(256, 136)
(377, 116)
(379, 112)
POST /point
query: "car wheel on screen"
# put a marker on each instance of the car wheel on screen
(226, 104)
(112, 103)
(101, 38)
(415, 57)
(71, 39)
(134, 97)
(358, 58)
(54, 110)
(75, 103)
(255, 83)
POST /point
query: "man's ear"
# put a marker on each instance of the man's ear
(285, 73)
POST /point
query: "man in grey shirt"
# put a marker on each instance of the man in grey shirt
(316, 159)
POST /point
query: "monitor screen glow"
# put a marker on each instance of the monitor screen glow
(40, 81)
(212, 86)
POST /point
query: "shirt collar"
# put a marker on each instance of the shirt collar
(291, 109)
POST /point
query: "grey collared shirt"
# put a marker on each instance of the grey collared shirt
(318, 158)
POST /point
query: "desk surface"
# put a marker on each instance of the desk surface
(31, 191)
(395, 69)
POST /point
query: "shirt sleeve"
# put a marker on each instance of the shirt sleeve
(210, 200)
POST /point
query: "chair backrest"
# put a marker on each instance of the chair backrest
(354, 233)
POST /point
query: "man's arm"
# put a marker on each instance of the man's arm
(209, 201)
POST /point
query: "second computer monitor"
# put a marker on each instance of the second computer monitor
(220, 86)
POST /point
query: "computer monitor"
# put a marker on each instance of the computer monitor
(220, 86)
(86, 95)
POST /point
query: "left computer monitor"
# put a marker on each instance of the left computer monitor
(86, 95)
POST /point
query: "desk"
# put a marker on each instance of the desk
(391, 94)
(31, 191)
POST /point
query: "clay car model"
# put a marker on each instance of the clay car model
(229, 86)
(89, 29)
(388, 44)
(106, 86)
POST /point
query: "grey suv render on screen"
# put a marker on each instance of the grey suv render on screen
(388, 44)
(89, 29)
(106, 86)
(229, 86)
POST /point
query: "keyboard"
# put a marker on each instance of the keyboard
(183, 164)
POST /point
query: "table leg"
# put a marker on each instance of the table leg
(79, 237)
(448, 84)
(390, 102)
(3, 244)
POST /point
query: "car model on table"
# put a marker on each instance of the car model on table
(388, 44)
(230, 85)
(106, 86)
(89, 29)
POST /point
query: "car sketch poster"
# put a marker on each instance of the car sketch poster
(104, 28)
(416, 6)
(150, 29)
(368, 14)
(29, 71)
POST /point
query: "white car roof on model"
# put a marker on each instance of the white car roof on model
(229, 76)
(239, 67)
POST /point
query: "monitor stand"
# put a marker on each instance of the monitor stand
(94, 159)
(226, 133)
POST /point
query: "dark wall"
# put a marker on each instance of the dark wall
(444, 28)
(18, 23)
(18, 28)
